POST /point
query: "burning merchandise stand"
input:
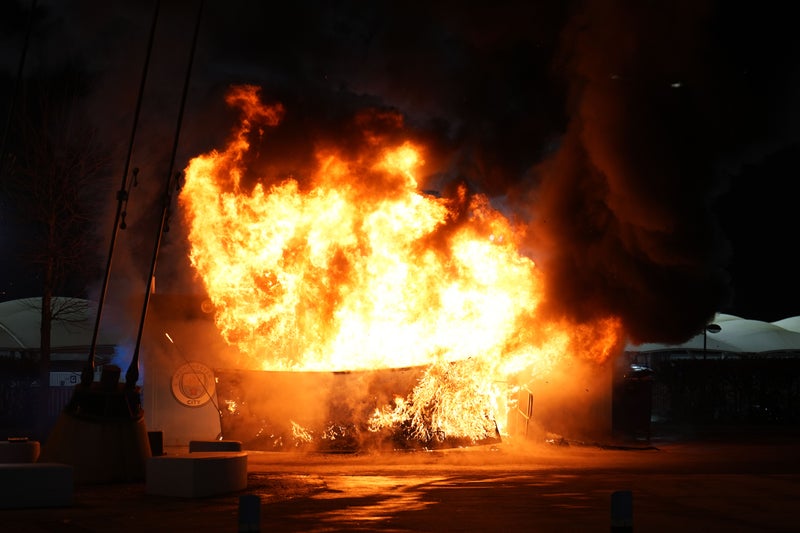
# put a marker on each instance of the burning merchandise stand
(406, 409)
(353, 271)
(193, 392)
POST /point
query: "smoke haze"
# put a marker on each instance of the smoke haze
(601, 126)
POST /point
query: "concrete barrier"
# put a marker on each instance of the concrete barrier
(35, 485)
(196, 474)
(102, 450)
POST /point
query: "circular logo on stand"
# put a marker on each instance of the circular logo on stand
(207, 306)
(193, 384)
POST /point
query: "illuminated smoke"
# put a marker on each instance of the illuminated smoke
(593, 122)
(622, 220)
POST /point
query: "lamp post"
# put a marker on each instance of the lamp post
(710, 328)
(706, 401)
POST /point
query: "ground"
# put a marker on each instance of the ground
(731, 482)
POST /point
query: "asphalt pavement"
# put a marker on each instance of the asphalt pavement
(734, 481)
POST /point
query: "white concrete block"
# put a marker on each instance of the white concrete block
(35, 485)
(196, 474)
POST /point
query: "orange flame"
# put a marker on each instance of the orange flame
(360, 269)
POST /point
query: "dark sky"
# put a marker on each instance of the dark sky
(650, 146)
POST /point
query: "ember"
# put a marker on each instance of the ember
(353, 268)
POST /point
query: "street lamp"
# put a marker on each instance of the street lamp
(710, 328)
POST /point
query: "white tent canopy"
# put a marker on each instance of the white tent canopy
(20, 324)
(737, 335)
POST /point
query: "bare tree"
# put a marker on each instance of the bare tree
(55, 181)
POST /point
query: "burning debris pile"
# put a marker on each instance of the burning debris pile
(335, 411)
(350, 273)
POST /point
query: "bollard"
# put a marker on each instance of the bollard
(249, 513)
(622, 512)
(156, 440)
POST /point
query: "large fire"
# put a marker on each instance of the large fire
(356, 267)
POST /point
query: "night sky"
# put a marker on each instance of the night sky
(650, 147)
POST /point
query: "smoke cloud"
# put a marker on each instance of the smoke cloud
(603, 126)
(623, 213)
(594, 123)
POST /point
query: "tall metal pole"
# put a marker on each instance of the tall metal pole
(132, 375)
(87, 376)
(709, 328)
(705, 336)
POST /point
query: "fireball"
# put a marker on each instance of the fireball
(355, 267)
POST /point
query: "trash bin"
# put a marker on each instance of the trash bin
(632, 403)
